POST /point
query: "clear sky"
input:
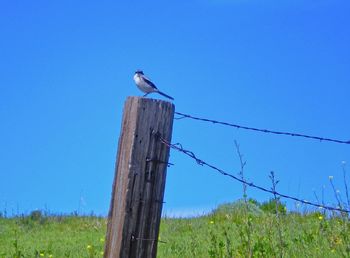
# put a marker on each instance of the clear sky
(66, 69)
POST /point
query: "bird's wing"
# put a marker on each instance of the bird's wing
(148, 81)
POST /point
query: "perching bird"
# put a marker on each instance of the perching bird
(145, 84)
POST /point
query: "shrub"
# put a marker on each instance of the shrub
(270, 206)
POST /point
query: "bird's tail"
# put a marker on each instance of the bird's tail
(163, 94)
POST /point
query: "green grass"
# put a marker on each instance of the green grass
(233, 230)
(54, 236)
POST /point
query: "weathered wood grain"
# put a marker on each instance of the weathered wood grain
(139, 182)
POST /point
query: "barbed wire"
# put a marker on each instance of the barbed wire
(178, 147)
(182, 116)
(133, 238)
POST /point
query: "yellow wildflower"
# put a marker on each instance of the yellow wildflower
(89, 247)
(320, 217)
(211, 222)
(337, 240)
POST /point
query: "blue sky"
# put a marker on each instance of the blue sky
(66, 70)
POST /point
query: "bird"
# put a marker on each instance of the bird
(146, 85)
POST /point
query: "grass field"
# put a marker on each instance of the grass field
(233, 230)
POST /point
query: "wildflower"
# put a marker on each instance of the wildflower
(211, 222)
(337, 241)
(89, 247)
(102, 253)
(320, 217)
(330, 177)
(42, 254)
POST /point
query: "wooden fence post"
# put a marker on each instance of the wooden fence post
(139, 182)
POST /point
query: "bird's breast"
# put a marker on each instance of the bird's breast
(142, 85)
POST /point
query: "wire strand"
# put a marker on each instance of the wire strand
(182, 116)
(201, 162)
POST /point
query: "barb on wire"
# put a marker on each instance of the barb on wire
(182, 116)
(178, 147)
